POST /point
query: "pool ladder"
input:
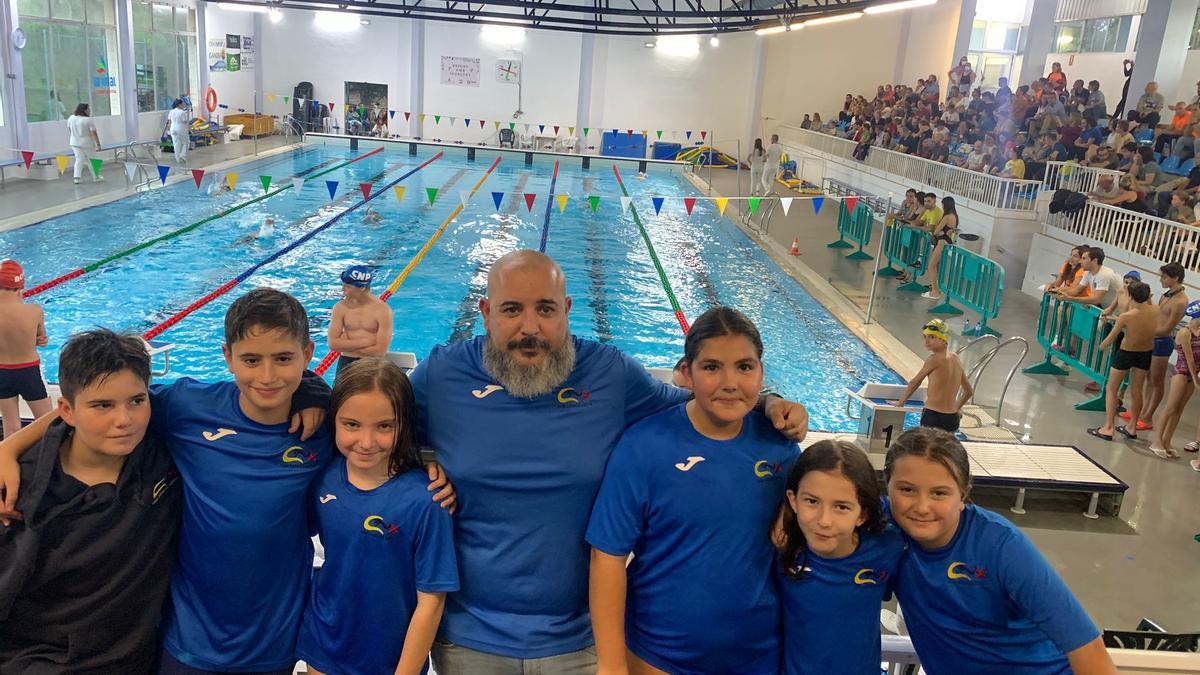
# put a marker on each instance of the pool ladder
(290, 127)
(764, 217)
(975, 372)
(129, 154)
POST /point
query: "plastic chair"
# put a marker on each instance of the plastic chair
(1187, 166)
(507, 138)
(1170, 164)
(1144, 137)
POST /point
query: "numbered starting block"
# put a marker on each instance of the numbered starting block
(879, 419)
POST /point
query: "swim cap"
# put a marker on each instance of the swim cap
(1133, 274)
(12, 276)
(937, 328)
(1193, 310)
(358, 275)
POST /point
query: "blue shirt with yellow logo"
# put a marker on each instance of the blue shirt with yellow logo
(381, 547)
(245, 556)
(526, 472)
(988, 603)
(695, 513)
(831, 612)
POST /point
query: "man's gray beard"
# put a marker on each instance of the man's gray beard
(529, 381)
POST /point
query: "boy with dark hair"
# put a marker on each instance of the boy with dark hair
(1133, 334)
(84, 576)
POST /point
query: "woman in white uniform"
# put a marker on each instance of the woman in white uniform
(84, 140)
(758, 162)
(180, 139)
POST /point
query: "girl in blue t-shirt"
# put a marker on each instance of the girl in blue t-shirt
(691, 492)
(837, 553)
(375, 605)
(976, 594)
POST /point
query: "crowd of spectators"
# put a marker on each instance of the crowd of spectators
(1015, 134)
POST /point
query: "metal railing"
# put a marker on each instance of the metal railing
(1157, 238)
(289, 127)
(975, 372)
(761, 224)
(987, 191)
(1071, 176)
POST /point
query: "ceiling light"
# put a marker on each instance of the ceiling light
(648, 45)
(821, 21)
(364, 22)
(275, 15)
(714, 41)
(897, 6)
(774, 30)
(685, 46)
(335, 22)
(258, 9)
(502, 35)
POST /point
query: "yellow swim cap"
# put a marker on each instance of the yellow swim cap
(937, 328)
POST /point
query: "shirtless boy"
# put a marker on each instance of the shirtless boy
(1171, 305)
(22, 331)
(361, 324)
(1134, 352)
(949, 390)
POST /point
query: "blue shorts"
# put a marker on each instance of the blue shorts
(1163, 346)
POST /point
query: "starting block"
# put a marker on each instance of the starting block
(879, 420)
(155, 348)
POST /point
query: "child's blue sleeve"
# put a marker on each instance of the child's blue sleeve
(434, 559)
(419, 378)
(1040, 595)
(645, 395)
(618, 515)
(314, 392)
(162, 398)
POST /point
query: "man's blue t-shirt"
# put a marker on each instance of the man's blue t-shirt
(696, 512)
(381, 547)
(245, 556)
(988, 603)
(526, 472)
(831, 612)
(1094, 135)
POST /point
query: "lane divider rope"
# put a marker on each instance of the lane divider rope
(549, 204)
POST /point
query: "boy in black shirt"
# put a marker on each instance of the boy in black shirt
(83, 577)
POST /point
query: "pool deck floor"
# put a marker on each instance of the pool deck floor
(1142, 564)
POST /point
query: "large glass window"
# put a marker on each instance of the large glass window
(70, 57)
(1194, 43)
(164, 41)
(995, 36)
(1110, 34)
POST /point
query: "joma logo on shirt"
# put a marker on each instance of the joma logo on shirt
(296, 454)
(962, 571)
(375, 526)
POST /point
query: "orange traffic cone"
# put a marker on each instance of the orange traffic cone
(795, 247)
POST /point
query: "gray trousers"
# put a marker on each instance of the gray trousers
(452, 659)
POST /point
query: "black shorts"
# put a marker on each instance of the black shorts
(343, 362)
(1124, 360)
(940, 420)
(24, 381)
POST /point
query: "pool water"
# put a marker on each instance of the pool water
(618, 299)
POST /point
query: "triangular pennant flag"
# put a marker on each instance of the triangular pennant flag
(629, 132)
(754, 201)
(285, 99)
(453, 119)
(96, 164)
(362, 110)
(556, 128)
(266, 182)
(301, 99)
(399, 190)
(616, 131)
(432, 194)
(481, 123)
(331, 106)
(437, 119)
(786, 203)
(645, 132)
(62, 161)
(722, 202)
(130, 170)
(851, 204)
(366, 190)
(392, 115)
(464, 196)
(407, 115)
(817, 202)
(658, 202)
(163, 170)
(659, 132)
(541, 128)
(585, 131)
(271, 98)
(197, 176)
(689, 134)
(526, 128)
(232, 178)
(297, 186)
(674, 133)
(625, 201)
(497, 197)
(467, 121)
(562, 202)
(703, 135)
(497, 124)
(422, 117)
(512, 125)
(689, 203)
(529, 199)
(571, 130)
(594, 202)
(332, 186)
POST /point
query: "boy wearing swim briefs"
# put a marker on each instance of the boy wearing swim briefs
(949, 390)
(361, 324)
(1134, 335)
(1171, 305)
(22, 331)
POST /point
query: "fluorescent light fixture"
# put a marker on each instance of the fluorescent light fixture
(773, 30)
(822, 20)
(502, 35)
(683, 46)
(275, 15)
(714, 41)
(336, 22)
(364, 22)
(648, 45)
(257, 9)
(898, 6)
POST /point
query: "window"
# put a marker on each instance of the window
(995, 36)
(1194, 43)
(1110, 34)
(164, 49)
(70, 57)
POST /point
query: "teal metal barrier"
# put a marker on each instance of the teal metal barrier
(906, 248)
(972, 280)
(857, 227)
(843, 219)
(1072, 332)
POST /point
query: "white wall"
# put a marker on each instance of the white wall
(1187, 81)
(233, 89)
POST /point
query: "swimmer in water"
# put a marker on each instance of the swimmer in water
(641, 175)
(370, 215)
(219, 185)
(267, 229)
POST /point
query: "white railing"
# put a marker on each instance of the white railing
(991, 192)
(1116, 228)
(1071, 176)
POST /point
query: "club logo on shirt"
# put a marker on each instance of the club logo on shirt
(296, 454)
(767, 470)
(691, 461)
(962, 571)
(573, 396)
(163, 484)
(377, 527)
(486, 391)
(870, 577)
(325, 499)
(221, 433)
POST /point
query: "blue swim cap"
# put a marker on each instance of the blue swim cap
(1193, 310)
(1133, 274)
(358, 275)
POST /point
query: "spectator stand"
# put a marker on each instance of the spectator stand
(975, 282)
(1074, 177)
(1143, 241)
(1072, 332)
